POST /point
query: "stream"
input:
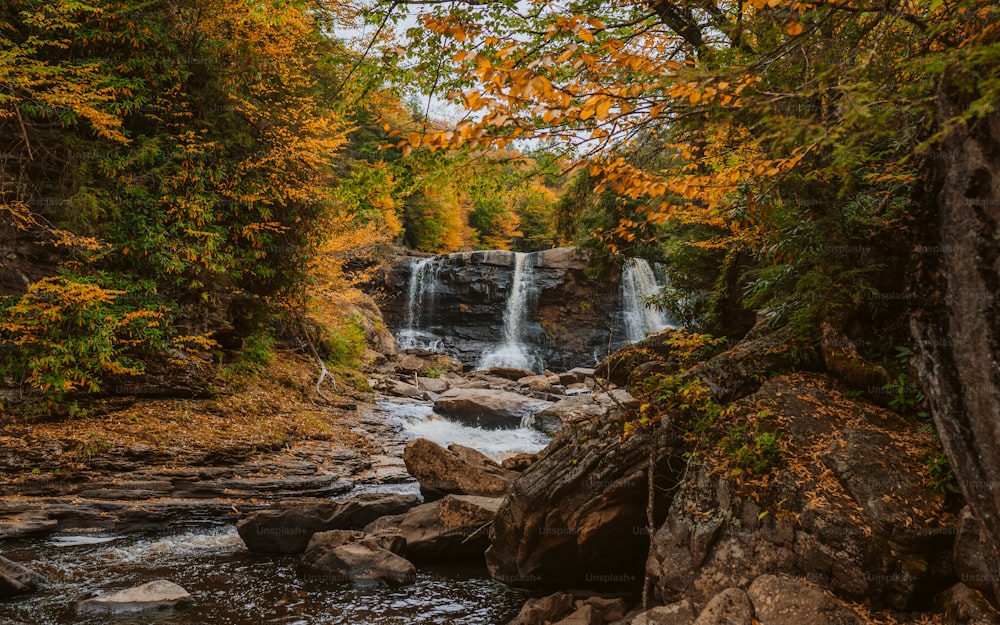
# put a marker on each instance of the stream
(233, 586)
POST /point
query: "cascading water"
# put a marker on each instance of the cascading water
(513, 352)
(419, 296)
(638, 284)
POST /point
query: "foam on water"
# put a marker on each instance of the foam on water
(419, 421)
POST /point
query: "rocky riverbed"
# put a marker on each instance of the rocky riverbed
(507, 485)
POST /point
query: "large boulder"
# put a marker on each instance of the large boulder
(457, 470)
(450, 528)
(344, 556)
(784, 601)
(730, 607)
(543, 610)
(487, 408)
(17, 579)
(155, 596)
(577, 516)
(573, 411)
(846, 504)
(287, 527)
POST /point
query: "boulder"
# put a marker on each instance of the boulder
(508, 373)
(851, 509)
(964, 606)
(577, 516)
(434, 385)
(784, 601)
(450, 528)
(577, 375)
(618, 367)
(487, 408)
(729, 607)
(353, 557)
(17, 579)
(580, 409)
(519, 462)
(680, 613)
(544, 383)
(582, 615)
(457, 470)
(287, 527)
(544, 610)
(399, 388)
(157, 595)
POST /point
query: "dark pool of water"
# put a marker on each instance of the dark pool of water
(235, 587)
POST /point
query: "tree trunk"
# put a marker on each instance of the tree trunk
(956, 284)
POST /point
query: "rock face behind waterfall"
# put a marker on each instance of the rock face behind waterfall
(568, 319)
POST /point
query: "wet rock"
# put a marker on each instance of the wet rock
(680, 613)
(544, 609)
(618, 367)
(567, 322)
(457, 470)
(288, 527)
(353, 557)
(487, 408)
(965, 606)
(784, 601)
(157, 595)
(729, 607)
(450, 528)
(17, 579)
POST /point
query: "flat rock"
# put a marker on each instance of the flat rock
(487, 408)
(680, 613)
(23, 525)
(157, 595)
(784, 601)
(457, 470)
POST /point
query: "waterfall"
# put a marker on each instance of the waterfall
(419, 295)
(512, 352)
(639, 283)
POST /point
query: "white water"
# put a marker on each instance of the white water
(419, 296)
(639, 283)
(513, 352)
(419, 421)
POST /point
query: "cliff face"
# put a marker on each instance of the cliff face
(460, 304)
(956, 323)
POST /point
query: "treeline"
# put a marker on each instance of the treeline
(180, 180)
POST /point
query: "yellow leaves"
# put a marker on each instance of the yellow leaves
(794, 28)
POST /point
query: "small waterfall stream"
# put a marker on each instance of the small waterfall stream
(513, 352)
(639, 283)
(420, 293)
